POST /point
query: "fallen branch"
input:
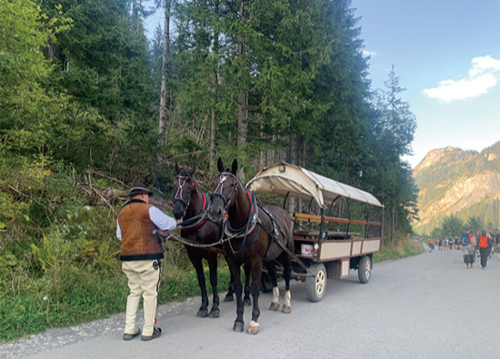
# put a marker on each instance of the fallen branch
(91, 171)
(25, 195)
(104, 199)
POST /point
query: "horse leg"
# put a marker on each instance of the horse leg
(287, 263)
(230, 291)
(271, 269)
(212, 264)
(235, 272)
(256, 263)
(198, 266)
(247, 301)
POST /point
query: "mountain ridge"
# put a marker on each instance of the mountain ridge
(457, 182)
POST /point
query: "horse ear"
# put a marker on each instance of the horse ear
(177, 170)
(192, 171)
(220, 165)
(234, 167)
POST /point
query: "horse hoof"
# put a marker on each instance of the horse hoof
(253, 328)
(274, 306)
(287, 309)
(247, 302)
(238, 327)
(214, 313)
(202, 313)
(228, 298)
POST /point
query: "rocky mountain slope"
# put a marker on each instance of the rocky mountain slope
(462, 183)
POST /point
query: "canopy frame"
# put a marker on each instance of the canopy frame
(290, 180)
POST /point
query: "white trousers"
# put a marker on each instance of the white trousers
(143, 280)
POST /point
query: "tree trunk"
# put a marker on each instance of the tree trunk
(242, 119)
(212, 124)
(164, 76)
(242, 95)
(294, 161)
(212, 143)
(262, 163)
(392, 223)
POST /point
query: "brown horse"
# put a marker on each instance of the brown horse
(252, 240)
(190, 210)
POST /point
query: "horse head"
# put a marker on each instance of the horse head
(225, 191)
(184, 186)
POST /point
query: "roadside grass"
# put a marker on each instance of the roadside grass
(81, 297)
(67, 278)
(401, 248)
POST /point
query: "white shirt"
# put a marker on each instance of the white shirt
(160, 219)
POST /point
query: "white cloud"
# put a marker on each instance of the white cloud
(368, 53)
(482, 77)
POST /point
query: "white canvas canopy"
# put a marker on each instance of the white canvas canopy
(283, 178)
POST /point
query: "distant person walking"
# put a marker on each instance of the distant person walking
(141, 254)
(451, 242)
(430, 243)
(484, 246)
(495, 238)
(467, 241)
(440, 243)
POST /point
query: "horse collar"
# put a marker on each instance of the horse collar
(197, 221)
(253, 216)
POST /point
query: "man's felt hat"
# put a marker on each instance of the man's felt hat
(139, 188)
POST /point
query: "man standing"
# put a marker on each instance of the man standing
(483, 246)
(467, 241)
(141, 254)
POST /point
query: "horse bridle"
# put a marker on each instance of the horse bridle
(220, 187)
(179, 198)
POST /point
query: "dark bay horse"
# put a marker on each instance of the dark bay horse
(190, 210)
(252, 235)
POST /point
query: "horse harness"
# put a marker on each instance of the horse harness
(253, 219)
(196, 221)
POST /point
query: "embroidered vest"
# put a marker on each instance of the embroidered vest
(138, 241)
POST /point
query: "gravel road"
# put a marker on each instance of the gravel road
(427, 306)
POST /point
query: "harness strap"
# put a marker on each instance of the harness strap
(252, 221)
(197, 221)
(245, 230)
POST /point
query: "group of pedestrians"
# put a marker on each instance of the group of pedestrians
(482, 244)
(441, 243)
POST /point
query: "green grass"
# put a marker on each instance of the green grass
(83, 297)
(401, 248)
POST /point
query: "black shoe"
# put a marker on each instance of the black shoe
(156, 334)
(131, 336)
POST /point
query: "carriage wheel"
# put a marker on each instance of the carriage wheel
(316, 285)
(266, 285)
(364, 269)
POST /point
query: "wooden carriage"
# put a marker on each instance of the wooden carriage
(322, 253)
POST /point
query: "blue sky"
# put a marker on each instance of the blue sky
(447, 55)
